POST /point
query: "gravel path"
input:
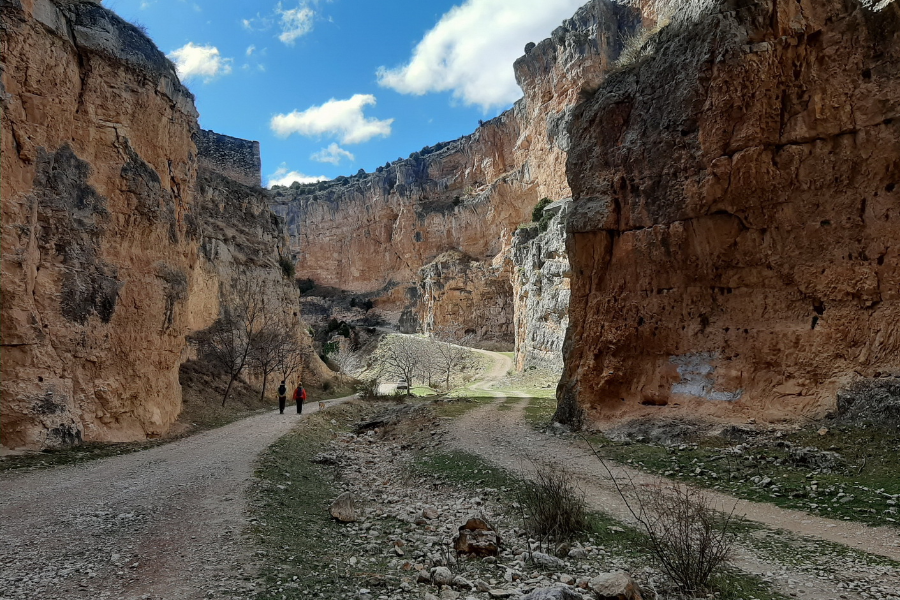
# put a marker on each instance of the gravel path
(164, 523)
(504, 438)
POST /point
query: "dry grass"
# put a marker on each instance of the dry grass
(554, 508)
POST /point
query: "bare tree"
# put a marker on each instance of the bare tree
(267, 350)
(289, 357)
(402, 357)
(231, 339)
(348, 361)
(449, 357)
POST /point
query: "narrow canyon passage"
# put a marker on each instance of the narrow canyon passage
(504, 438)
(161, 523)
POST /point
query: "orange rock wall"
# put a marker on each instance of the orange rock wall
(733, 239)
(112, 252)
(375, 232)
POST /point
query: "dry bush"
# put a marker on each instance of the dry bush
(554, 507)
(367, 389)
(688, 538)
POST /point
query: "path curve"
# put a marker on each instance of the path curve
(504, 438)
(163, 523)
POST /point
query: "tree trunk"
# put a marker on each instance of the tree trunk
(228, 389)
(262, 395)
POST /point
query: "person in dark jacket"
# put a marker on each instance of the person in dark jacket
(299, 398)
(282, 397)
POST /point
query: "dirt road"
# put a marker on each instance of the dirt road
(165, 523)
(504, 438)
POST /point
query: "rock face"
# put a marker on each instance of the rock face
(736, 206)
(375, 232)
(467, 298)
(541, 291)
(104, 234)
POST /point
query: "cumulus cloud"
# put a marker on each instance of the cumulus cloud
(472, 48)
(332, 154)
(338, 118)
(282, 176)
(199, 61)
(295, 22)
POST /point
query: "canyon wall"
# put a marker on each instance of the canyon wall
(541, 291)
(374, 233)
(105, 234)
(733, 237)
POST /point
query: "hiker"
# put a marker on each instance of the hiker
(300, 397)
(282, 396)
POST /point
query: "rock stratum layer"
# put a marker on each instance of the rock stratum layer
(374, 233)
(108, 236)
(736, 212)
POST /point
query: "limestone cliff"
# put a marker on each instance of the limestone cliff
(735, 216)
(103, 275)
(375, 232)
(541, 291)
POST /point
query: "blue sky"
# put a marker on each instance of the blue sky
(332, 86)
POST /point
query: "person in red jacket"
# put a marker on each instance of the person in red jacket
(300, 397)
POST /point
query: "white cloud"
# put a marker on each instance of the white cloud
(251, 49)
(332, 154)
(199, 61)
(257, 23)
(284, 177)
(340, 118)
(472, 48)
(295, 22)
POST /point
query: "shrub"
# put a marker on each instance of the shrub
(554, 507)
(287, 267)
(689, 539)
(538, 213)
(367, 389)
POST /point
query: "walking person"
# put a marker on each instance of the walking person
(300, 397)
(282, 397)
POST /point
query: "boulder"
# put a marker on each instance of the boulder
(477, 537)
(546, 561)
(615, 586)
(554, 593)
(461, 583)
(441, 576)
(344, 508)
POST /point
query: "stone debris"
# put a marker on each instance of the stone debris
(615, 586)
(344, 508)
(477, 538)
(554, 593)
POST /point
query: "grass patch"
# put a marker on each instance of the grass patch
(456, 466)
(72, 455)
(304, 551)
(540, 410)
(864, 487)
(422, 391)
(453, 407)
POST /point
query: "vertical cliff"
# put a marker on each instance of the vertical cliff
(103, 226)
(375, 232)
(541, 290)
(735, 216)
